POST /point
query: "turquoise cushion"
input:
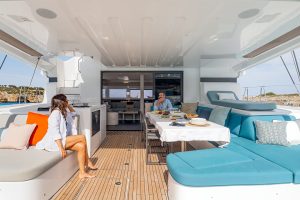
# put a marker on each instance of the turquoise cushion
(234, 123)
(204, 112)
(202, 160)
(287, 157)
(233, 165)
(219, 115)
(247, 129)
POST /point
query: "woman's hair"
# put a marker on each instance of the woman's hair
(59, 102)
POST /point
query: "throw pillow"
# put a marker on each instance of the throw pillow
(40, 131)
(219, 115)
(284, 133)
(224, 96)
(189, 107)
(17, 136)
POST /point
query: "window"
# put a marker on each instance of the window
(136, 94)
(117, 93)
(15, 79)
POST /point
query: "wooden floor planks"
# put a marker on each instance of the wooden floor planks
(121, 160)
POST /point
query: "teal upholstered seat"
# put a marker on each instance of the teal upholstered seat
(221, 167)
(287, 157)
(243, 162)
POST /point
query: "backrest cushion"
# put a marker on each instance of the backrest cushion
(234, 123)
(213, 96)
(219, 115)
(189, 107)
(248, 129)
(226, 96)
(278, 133)
(17, 136)
(204, 112)
(41, 129)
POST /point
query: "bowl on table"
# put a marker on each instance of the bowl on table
(191, 116)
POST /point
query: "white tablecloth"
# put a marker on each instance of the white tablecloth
(213, 132)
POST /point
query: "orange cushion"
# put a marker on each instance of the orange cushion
(40, 130)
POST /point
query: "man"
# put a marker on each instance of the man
(162, 103)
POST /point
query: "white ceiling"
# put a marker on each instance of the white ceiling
(150, 32)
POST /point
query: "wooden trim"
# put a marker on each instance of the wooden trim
(18, 44)
(274, 43)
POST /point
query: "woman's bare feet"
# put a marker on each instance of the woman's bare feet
(86, 175)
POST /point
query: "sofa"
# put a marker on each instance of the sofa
(34, 174)
(242, 170)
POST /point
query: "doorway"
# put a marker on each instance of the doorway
(129, 93)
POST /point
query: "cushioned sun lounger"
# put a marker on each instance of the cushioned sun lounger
(238, 104)
(287, 157)
(229, 166)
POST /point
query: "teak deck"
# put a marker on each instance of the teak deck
(122, 173)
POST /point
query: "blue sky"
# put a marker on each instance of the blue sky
(271, 74)
(16, 72)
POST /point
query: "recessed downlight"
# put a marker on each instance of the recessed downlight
(46, 13)
(249, 13)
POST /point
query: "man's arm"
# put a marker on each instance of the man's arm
(169, 104)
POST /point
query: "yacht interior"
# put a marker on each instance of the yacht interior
(112, 59)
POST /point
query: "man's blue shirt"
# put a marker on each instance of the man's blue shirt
(166, 105)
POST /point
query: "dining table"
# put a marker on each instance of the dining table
(186, 131)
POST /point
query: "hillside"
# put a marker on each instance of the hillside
(279, 99)
(12, 93)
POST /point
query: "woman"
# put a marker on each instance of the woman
(59, 136)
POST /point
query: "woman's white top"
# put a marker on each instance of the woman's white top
(58, 128)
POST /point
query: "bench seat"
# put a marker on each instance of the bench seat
(23, 165)
(229, 166)
(287, 157)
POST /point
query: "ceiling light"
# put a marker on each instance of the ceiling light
(249, 13)
(46, 13)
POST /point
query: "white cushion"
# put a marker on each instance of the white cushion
(17, 136)
(284, 133)
(224, 96)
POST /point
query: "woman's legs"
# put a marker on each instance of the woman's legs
(78, 143)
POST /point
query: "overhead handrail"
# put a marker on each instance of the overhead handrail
(3, 62)
(288, 71)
